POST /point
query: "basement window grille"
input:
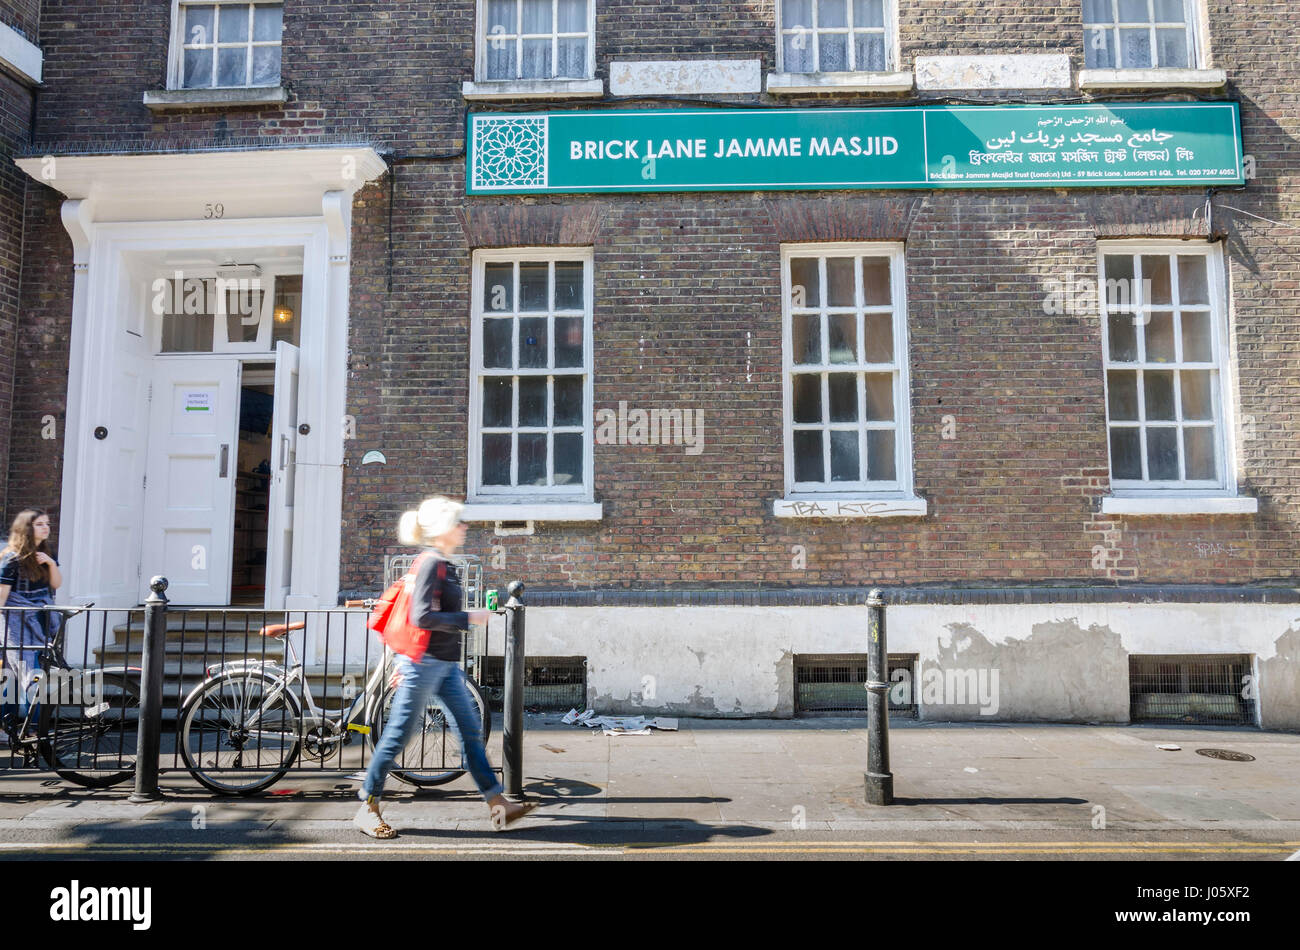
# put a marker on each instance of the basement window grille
(834, 684)
(553, 683)
(1206, 689)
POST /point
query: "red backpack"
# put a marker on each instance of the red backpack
(391, 617)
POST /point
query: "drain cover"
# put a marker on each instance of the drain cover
(1226, 754)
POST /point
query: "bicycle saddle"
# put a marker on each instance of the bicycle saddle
(278, 630)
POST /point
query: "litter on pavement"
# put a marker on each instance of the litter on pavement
(619, 725)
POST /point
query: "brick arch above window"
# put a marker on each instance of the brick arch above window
(531, 225)
(842, 218)
(1155, 216)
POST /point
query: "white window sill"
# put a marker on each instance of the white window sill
(534, 89)
(20, 55)
(163, 99)
(1216, 505)
(532, 511)
(781, 84)
(861, 506)
(1152, 78)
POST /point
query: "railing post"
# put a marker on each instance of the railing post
(151, 693)
(512, 740)
(879, 780)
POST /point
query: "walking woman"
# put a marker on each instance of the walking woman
(438, 609)
(29, 576)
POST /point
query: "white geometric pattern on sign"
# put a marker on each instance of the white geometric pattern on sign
(509, 152)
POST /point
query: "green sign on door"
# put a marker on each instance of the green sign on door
(1080, 146)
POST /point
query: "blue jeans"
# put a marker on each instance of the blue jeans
(446, 680)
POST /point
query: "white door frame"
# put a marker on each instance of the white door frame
(102, 282)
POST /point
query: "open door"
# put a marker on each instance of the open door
(284, 451)
(190, 479)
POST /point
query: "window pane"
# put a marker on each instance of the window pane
(1193, 279)
(1119, 280)
(532, 458)
(537, 59)
(807, 339)
(844, 397)
(187, 333)
(573, 16)
(571, 59)
(1123, 387)
(1125, 454)
(869, 48)
(839, 280)
(1134, 11)
(498, 287)
(797, 52)
(267, 21)
(532, 342)
(1135, 49)
(1156, 288)
(500, 17)
(266, 65)
(568, 458)
(868, 13)
(532, 401)
(537, 16)
(1099, 48)
(880, 455)
(498, 338)
(532, 286)
(496, 459)
(1160, 337)
(232, 66)
(568, 341)
(1097, 11)
(1170, 11)
(805, 285)
(568, 401)
(1162, 454)
(796, 13)
(833, 52)
(1198, 393)
(844, 338)
(807, 397)
(1172, 49)
(1123, 338)
(809, 466)
(233, 27)
(1197, 346)
(198, 25)
(568, 285)
(1158, 386)
(198, 69)
(880, 397)
(501, 60)
(875, 281)
(1199, 446)
(498, 401)
(832, 13)
(844, 457)
(879, 339)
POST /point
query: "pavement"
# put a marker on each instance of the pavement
(737, 789)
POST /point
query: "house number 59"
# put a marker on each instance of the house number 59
(214, 211)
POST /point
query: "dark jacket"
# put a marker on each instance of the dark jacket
(442, 615)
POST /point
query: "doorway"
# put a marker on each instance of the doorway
(252, 486)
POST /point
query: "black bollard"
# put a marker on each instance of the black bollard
(879, 780)
(512, 740)
(151, 694)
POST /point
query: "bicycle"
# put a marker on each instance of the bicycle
(245, 721)
(87, 736)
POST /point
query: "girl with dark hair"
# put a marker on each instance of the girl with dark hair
(29, 576)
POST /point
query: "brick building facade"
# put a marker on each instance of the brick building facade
(1015, 552)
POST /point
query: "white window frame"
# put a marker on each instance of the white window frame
(497, 502)
(898, 493)
(176, 53)
(1225, 486)
(1195, 22)
(890, 32)
(221, 344)
(482, 40)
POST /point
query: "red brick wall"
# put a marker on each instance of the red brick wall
(688, 310)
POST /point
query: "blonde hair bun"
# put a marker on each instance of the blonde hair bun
(434, 518)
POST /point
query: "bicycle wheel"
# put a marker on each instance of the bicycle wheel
(91, 740)
(239, 732)
(433, 755)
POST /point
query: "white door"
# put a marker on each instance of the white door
(284, 451)
(190, 479)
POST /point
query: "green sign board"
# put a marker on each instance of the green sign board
(1075, 146)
